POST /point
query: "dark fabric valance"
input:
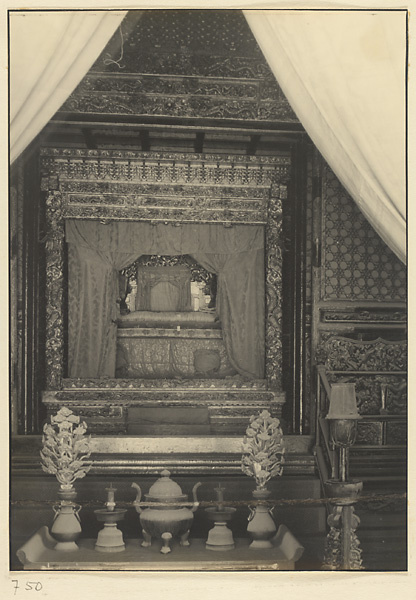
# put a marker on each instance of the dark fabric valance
(145, 238)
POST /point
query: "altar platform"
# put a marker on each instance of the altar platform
(38, 554)
(168, 407)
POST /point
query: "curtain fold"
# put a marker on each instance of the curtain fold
(97, 252)
(344, 76)
(241, 307)
(93, 289)
(50, 52)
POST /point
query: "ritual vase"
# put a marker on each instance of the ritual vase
(66, 527)
(261, 525)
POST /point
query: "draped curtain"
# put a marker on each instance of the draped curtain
(92, 311)
(50, 52)
(240, 303)
(343, 73)
(97, 252)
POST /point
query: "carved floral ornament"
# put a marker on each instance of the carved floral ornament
(263, 449)
(65, 448)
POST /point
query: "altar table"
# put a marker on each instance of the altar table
(38, 554)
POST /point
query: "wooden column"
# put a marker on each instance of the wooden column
(297, 285)
(29, 404)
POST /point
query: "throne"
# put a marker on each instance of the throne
(163, 289)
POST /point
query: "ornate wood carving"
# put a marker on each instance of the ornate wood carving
(367, 316)
(106, 409)
(177, 96)
(381, 393)
(183, 64)
(274, 287)
(169, 397)
(369, 392)
(154, 384)
(333, 558)
(117, 184)
(369, 433)
(163, 187)
(54, 290)
(345, 354)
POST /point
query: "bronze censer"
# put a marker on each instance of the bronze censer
(168, 514)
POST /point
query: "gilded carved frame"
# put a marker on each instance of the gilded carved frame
(108, 185)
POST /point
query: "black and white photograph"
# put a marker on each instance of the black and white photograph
(207, 292)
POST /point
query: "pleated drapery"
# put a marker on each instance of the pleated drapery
(50, 52)
(344, 74)
(97, 252)
(93, 289)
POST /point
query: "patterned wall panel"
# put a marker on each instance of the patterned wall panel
(357, 265)
(183, 42)
(179, 63)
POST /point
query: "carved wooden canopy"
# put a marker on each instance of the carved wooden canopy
(108, 185)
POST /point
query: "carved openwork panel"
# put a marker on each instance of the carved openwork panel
(380, 433)
(274, 287)
(378, 370)
(357, 265)
(369, 389)
(108, 185)
(164, 187)
(344, 354)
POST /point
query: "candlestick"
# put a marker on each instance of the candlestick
(220, 496)
(110, 504)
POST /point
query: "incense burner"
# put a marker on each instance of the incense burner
(168, 514)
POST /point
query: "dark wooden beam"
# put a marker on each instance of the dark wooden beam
(144, 140)
(153, 121)
(89, 138)
(199, 142)
(252, 145)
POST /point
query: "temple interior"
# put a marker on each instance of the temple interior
(182, 257)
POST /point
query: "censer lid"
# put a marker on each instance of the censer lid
(165, 489)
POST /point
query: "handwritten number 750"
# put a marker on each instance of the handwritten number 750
(29, 586)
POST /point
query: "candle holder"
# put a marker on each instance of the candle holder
(342, 549)
(220, 537)
(110, 538)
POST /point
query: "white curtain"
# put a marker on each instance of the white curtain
(50, 52)
(344, 75)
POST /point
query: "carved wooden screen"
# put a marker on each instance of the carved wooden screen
(124, 185)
